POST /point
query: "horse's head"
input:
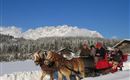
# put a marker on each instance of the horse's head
(38, 57)
(48, 58)
(51, 58)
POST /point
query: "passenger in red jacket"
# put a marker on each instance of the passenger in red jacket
(100, 52)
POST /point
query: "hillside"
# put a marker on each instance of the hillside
(18, 48)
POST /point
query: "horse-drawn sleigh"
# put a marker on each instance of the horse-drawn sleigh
(76, 68)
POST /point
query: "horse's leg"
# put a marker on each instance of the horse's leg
(65, 72)
(68, 77)
(51, 76)
(43, 75)
(76, 68)
(81, 68)
(60, 77)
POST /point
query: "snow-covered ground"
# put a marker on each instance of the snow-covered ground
(27, 70)
(18, 66)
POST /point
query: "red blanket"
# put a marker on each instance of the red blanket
(102, 64)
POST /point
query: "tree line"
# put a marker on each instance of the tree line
(18, 47)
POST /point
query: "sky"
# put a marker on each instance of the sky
(109, 17)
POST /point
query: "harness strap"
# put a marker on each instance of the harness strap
(84, 56)
(75, 72)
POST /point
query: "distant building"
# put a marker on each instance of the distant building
(124, 45)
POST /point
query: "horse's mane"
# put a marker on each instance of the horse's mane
(54, 55)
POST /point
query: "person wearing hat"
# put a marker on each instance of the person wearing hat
(93, 50)
(85, 54)
(118, 57)
(84, 51)
(100, 52)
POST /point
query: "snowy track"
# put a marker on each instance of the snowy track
(34, 73)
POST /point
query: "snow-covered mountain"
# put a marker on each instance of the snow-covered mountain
(12, 30)
(50, 31)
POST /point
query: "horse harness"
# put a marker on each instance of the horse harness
(51, 63)
(70, 67)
